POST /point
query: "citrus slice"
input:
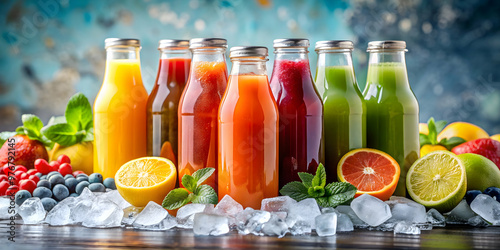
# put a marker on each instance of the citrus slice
(437, 180)
(371, 171)
(146, 179)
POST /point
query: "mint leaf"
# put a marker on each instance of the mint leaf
(295, 190)
(452, 142)
(176, 199)
(440, 126)
(432, 131)
(4, 136)
(32, 126)
(189, 182)
(320, 177)
(20, 130)
(316, 191)
(56, 120)
(79, 112)
(339, 193)
(306, 179)
(424, 139)
(89, 136)
(203, 174)
(205, 194)
(62, 133)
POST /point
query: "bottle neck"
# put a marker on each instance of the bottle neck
(123, 67)
(292, 54)
(209, 55)
(335, 71)
(175, 53)
(335, 58)
(249, 66)
(387, 69)
(396, 57)
(122, 53)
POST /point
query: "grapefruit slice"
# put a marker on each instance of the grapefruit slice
(371, 171)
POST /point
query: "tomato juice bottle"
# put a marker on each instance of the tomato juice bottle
(300, 108)
(163, 102)
(248, 131)
(199, 106)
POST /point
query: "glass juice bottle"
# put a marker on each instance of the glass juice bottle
(120, 109)
(199, 106)
(344, 117)
(300, 110)
(248, 131)
(163, 102)
(391, 107)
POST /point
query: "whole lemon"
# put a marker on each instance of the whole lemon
(430, 148)
(81, 155)
(464, 130)
(481, 172)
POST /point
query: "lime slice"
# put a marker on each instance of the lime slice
(437, 180)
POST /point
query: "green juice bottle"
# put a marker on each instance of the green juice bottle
(391, 107)
(344, 109)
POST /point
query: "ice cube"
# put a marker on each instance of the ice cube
(477, 221)
(327, 210)
(277, 204)
(276, 226)
(209, 209)
(210, 224)
(356, 221)
(104, 214)
(306, 210)
(399, 199)
(152, 214)
(300, 228)
(424, 226)
(487, 207)
(115, 197)
(228, 206)
(326, 224)
(185, 214)
(167, 223)
(242, 217)
(130, 214)
(436, 218)
(86, 195)
(386, 226)
(371, 210)
(81, 210)
(406, 210)
(281, 215)
(32, 211)
(59, 215)
(344, 223)
(405, 227)
(254, 223)
(460, 214)
(8, 208)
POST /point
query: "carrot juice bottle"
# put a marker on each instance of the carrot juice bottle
(248, 131)
(163, 102)
(300, 110)
(199, 105)
(120, 109)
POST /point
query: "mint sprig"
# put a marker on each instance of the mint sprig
(314, 186)
(435, 127)
(31, 127)
(75, 126)
(194, 192)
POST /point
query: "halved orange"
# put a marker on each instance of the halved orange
(146, 179)
(371, 171)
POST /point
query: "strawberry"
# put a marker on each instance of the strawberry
(486, 147)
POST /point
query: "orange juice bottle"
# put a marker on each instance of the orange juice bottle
(248, 131)
(120, 109)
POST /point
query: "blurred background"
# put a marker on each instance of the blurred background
(51, 49)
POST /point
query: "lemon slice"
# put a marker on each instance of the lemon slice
(146, 179)
(437, 180)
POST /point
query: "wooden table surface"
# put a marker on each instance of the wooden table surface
(76, 237)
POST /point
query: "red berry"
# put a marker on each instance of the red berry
(12, 190)
(77, 172)
(3, 177)
(63, 159)
(5, 168)
(54, 166)
(24, 176)
(13, 180)
(22, 168)
(65, 169)
(32, 171)
(28, 185)
(18, 174)
(3, 187)
(42, 166)
(34, 178)
(8, 168)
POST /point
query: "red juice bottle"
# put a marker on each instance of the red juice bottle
(198, 108)
(300, 108)
(163, 102)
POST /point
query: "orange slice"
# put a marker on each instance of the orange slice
(146, 179)
(371, 171)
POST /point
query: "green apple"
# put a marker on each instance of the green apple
(481, 172)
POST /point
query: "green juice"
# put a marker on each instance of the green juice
(392, 116)
(344, 114)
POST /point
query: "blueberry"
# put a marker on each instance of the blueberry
(39, 175)
(68, 176)
(73, 195)
(71, 184)
(84, 175)
(82, 185)
(109, 183)
(48, 203)
(44, 183)
(44, 177)
(60, 192)
(21, 196)
(42, 192)
(97, 187)
(492, 191)
(56, 179)
(53, 173)
(82, 178)
(95, 178)
(471, 195)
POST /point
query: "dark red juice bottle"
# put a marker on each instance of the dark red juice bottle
(300, 110)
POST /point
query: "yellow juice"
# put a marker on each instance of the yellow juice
(119, 117)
